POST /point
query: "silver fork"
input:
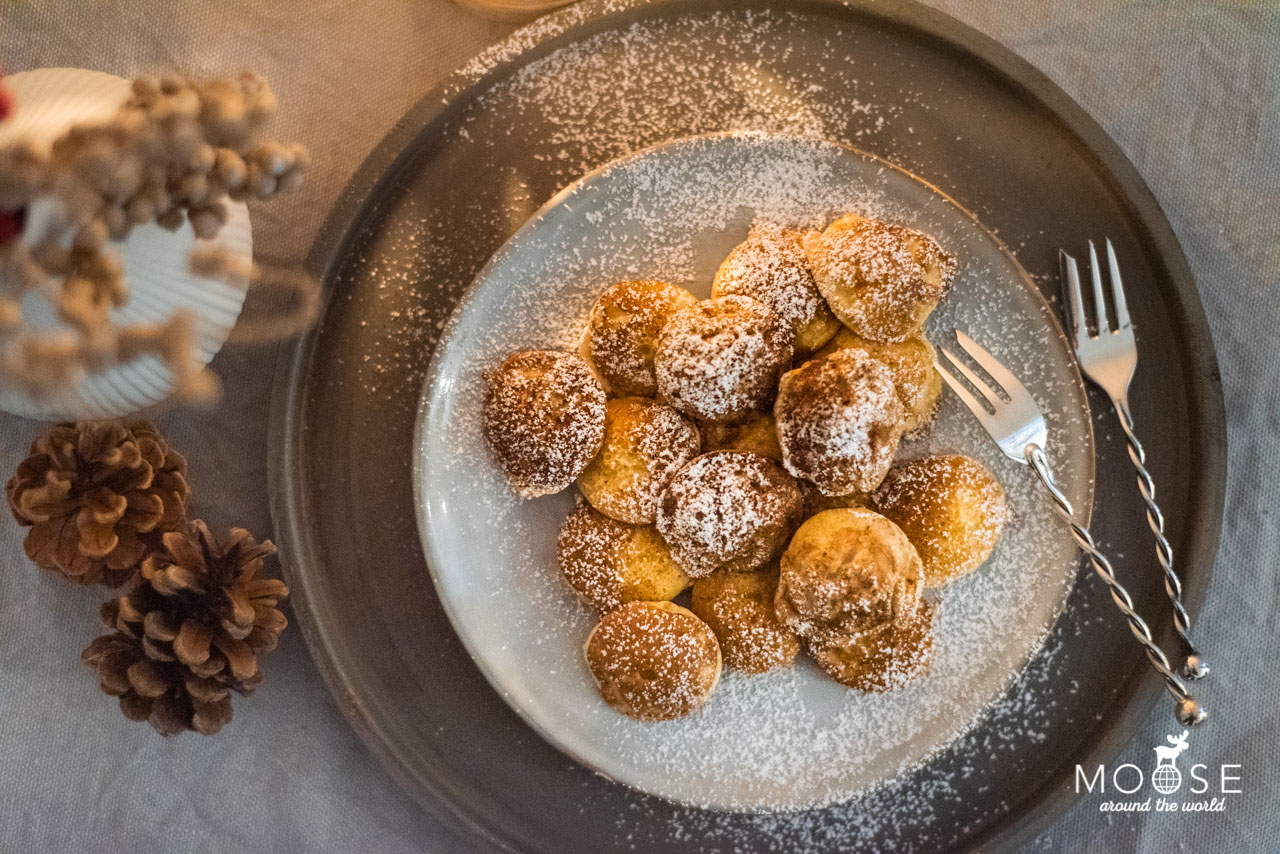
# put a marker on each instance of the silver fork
(1012, 418)
(1109, 359)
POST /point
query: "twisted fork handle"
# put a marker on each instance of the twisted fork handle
(1188, 711)
(1193, 666)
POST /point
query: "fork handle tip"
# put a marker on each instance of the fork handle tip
(1191, 713)
(1195, 668)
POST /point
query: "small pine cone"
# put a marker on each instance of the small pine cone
(190, 631)
(165, 694)
(97, 495)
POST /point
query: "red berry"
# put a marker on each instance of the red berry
(11, 223)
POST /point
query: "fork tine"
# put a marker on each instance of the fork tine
(1071, 293)
(1011, 384)
(1117, 289)
(962, 391)
(1099, 304)
(980, 385)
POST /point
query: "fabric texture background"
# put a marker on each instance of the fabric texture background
(1190, 90)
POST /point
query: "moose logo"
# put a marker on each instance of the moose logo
(1166, 778)
(1129, 780)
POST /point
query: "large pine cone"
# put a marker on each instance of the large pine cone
(190, 631)
(97, 495)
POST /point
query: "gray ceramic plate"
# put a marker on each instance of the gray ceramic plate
(798, 739)
(467, 166)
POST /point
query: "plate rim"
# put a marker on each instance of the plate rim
(433, 376)
(341, 229)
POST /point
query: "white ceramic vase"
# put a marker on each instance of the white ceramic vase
(48, 101)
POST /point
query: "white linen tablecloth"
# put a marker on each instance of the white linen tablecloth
(1190, 90)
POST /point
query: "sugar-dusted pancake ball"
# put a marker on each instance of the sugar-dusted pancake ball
(609, 563)
(758, 434)
(952, 509)
(720, 360)
(911, 362)
(839, 422)
(645, 444)
(543, 419)
(881, 279)
(883, 659)
(622, 333)
(771, 266)
(730, 510)
(653, 661)
(738, 606)
(846, 571)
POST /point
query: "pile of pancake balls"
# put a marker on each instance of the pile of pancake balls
(745, 446)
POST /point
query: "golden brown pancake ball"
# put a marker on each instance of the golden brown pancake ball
(543, 419)
(609, 563)
(622, 333)
(645, 444)
(738, 606)
(771, 266)
(720, 360)
(881, 279)
(730, 510)
(952, 509)
(839, 422)
(911, 362)
(653, 661)
(846, 571)
(883, 659)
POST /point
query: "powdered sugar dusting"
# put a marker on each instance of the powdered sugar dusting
(738, 606)
(653, 661)
(645, 444)
(720, 360)
(839, 422)
(623, 331)
(878, 276)
(729, 508)
(544, 419)
(770, 266)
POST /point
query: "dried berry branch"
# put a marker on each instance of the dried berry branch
(177, 151)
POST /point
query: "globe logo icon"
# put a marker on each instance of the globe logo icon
(1167, 779)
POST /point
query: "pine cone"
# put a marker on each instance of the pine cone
(97, 495)
(190, 631)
